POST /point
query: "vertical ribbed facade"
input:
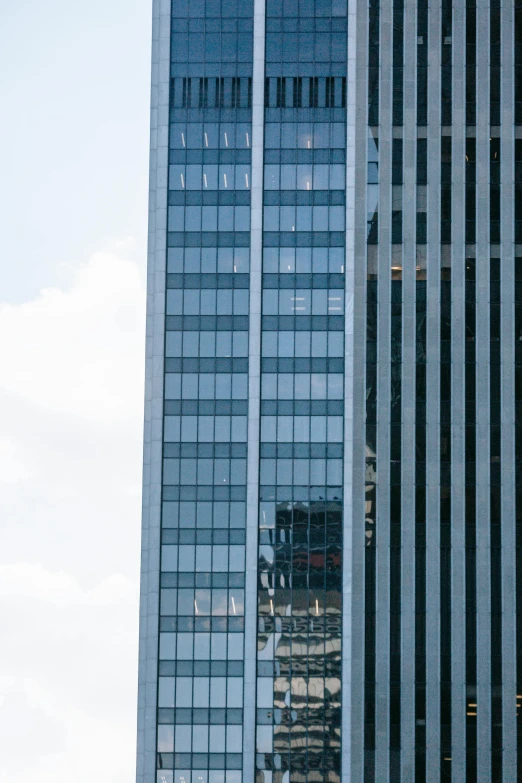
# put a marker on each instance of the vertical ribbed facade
(332, 506)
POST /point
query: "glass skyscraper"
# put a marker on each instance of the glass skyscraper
(332, 508)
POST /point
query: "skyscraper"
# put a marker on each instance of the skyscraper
(332, 511)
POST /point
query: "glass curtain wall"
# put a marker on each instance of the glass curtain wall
(200, 683)
(300, 536)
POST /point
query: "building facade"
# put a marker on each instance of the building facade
(332, 506)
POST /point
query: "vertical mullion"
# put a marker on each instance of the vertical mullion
(382, 676)
(357, 144)
(482, 402)
(155, 358)
(507, 398)
(254, 373)
(458, 655)
(433, 402)
(352, 662)
(408, 399)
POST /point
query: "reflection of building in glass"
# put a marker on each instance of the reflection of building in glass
(299, 641)
(332, 532)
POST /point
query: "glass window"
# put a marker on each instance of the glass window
(223, 386)
(178, 136)
(211, 135)
(235, 692)
(202, 601)
(218, 686)
(176, 218)
(271, 178)
(210, 177)
(201, 695)
(172, 386)
(239, 386)
(176, 177)
(217, 740)
(174, 302)
(199, 742)
(304, 219)
(166, 735)
(183, 695)
(201, 646)
(194, 135)
(209, 218)
(272, 135)
(193, 177)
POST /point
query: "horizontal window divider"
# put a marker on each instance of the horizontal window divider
(301, 450)
(217, 536)
(303, 238)
(206, 408)
(302, 407)
(301, 198)
(203, 280)
(207, 323)
(210, 198)
(207, 365)
(205, 450)
(302, 364)
(183, 624)
(303, 323)
(213, 115)
(200, 716)
(300, 494)
(208, 239)
(314, 280)
(208, 492)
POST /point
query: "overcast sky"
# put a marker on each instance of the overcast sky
(74, 81)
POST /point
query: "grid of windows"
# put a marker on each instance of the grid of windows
(438, 123)
(446, 274)
(302, 380)
(202, 580)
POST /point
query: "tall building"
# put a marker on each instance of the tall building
(332, 511)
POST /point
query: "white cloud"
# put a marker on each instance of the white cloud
(75, 351)
(59, 588)
(71, 402)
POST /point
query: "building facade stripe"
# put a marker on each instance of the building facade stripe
(458, 261)
(483, 520)
(254, 389)
(154, 380)
(359, 391)
(382, 673)
(433, 261)
(408, 394)
(507, 401)
(350, 477)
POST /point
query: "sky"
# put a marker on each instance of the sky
(74, 81)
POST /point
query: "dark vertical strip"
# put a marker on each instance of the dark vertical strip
(495, 515)
(422, 62)
(445, 467)
(398, 62)
(370, 526)
(373, 62)
(420, 458)
(396, 397)
(395, 530)
(420, 531)
(518, 62)
(446, 62)
(470, 448)
(470, 408)
(471, 62)
(518, 412)
(420, 405)
(370, 586)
